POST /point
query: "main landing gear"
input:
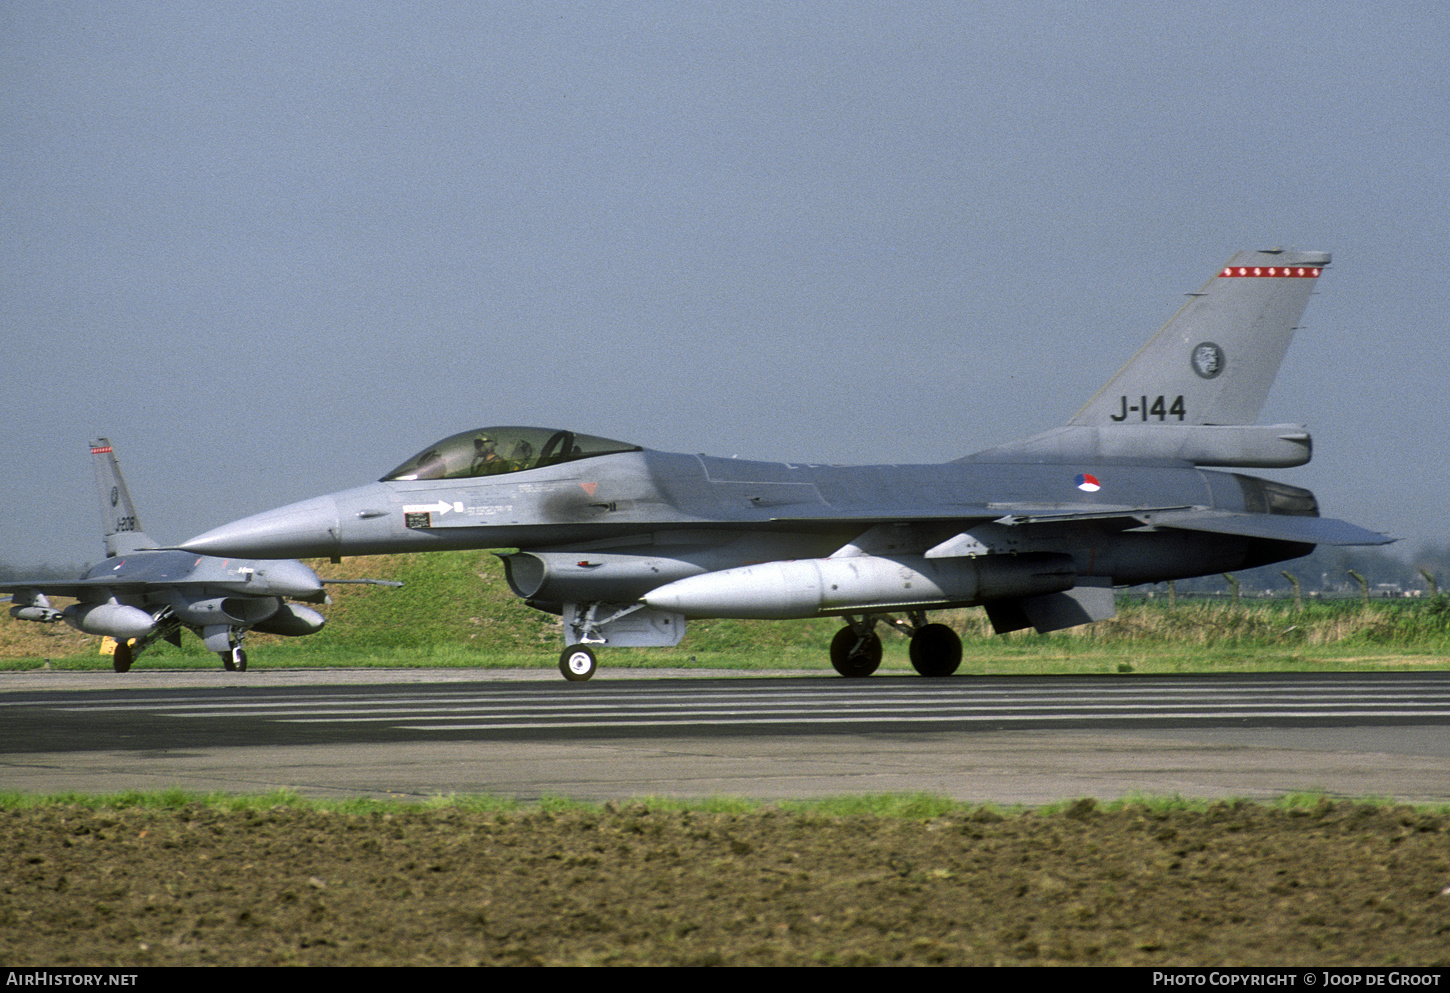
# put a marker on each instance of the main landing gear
(128, 650)
(935, 650)
(856, 649)
(225, 641)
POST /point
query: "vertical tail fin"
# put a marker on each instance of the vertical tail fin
(119, 521)
(1215, 360)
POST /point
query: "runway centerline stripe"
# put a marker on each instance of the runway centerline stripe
(925, 719)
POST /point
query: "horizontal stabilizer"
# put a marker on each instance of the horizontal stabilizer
(1277, 527)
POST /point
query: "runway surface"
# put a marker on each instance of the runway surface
(528, 734)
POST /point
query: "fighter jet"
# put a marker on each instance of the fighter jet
(627, 543)
(142, 593)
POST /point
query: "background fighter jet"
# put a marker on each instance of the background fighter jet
(627, 543)
(142, 593)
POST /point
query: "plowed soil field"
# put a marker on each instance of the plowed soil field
(1235, 884)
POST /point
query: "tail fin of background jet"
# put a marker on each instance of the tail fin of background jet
(1215, 360)
(119, 521)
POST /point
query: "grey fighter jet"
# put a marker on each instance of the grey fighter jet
(142, 593)
(627, 543)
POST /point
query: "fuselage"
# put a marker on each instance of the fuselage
(738, 512)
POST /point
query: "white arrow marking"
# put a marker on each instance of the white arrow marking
(440, 508)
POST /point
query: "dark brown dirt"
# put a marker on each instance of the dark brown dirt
(1241, 884)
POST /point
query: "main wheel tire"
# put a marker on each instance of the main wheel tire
(122, 658)
(577, 663)
(853, 656)
(935, 650)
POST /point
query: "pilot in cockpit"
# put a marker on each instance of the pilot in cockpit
(485, 458)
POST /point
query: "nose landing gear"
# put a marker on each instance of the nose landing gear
(234, 659)
(577, 663)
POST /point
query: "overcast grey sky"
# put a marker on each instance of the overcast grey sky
(272, 250)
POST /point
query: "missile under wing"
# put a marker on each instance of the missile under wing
(141, 593)
(627, 543)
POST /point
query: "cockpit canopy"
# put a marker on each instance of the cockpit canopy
(492, 451)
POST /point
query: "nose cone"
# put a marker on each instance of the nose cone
(291, 578)
(301, 530)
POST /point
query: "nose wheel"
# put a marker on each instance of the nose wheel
(234, 660)
(577, 663)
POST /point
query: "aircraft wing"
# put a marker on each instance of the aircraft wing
(966, 515)
(999, 513)
(1018, 514)
(82, 588)
(51, 587)
(1275, 527)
